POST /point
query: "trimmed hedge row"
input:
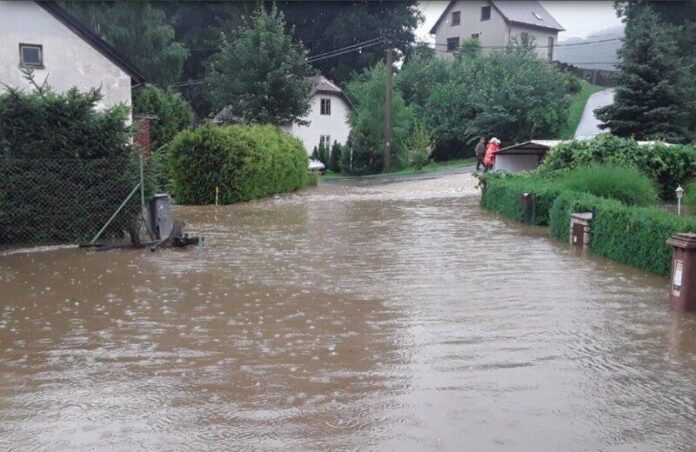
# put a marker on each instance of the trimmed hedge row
(634, 236)
(244, 161)
(502, 194)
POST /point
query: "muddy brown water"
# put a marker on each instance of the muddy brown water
(343, 317)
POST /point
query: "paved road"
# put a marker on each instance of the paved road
(589, 124)
(378, 179)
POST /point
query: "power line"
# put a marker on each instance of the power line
(346, 49)
(536, 46)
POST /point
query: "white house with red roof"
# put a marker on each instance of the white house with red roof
(327, 118)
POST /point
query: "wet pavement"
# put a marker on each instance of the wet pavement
(381, 317)
(588, 127)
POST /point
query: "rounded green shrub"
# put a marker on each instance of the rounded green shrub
(623, 183)
(244, 161)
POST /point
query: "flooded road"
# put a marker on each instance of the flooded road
(378, 317)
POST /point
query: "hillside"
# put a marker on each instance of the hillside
(588, 53)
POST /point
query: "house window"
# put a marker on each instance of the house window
(485, 13)
(325, 140)
(326, 106)
(456, 18)
(31, 55)
(452, 44)
(549, 52)
(475, 35)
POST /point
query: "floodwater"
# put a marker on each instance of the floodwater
(344, 317)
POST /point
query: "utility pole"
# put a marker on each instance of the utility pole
(388, 125)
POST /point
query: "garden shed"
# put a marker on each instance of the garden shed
(523, 156)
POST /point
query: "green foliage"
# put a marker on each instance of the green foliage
(173, 113)
(141, 32)
(418, 146)
(669, 166)
(577, 107)
(367, 92)
(510, 94)
(325, 26)
(631, 235)
(502, 194)
(625, 184)
(323, 154)
(64, 166)
(260, 75)
(566, 203)
(648, 103)
(335, 157)
(572, 84)
(245, 161)
(689, 193)
(419, 76)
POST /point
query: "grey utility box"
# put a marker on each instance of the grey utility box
(161, 222)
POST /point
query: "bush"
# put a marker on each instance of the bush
(335, 157)
(173, 113)
(668, 166)
(64, 167)
(625, 184)
(246, 162)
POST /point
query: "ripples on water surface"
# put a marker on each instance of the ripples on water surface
(343, 318)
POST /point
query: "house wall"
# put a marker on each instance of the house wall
(514, 163)
(540, 36)
(493, 32)
(69, 61)
(335, 125)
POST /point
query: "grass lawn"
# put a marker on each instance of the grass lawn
(576, 108)
(431, 167)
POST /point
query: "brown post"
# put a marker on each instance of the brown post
(682, 292)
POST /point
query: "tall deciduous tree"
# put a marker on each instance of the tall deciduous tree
(140, 32)
(511, 94)
(648, 103)
(260, 74)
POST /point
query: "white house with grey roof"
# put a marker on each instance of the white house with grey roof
(327, 118)
(495, 24)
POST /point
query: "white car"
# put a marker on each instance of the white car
(315, 166)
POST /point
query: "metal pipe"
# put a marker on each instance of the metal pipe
(101, 231)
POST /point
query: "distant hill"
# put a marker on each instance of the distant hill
(592, 55)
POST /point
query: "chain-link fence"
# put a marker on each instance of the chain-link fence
(67, 201)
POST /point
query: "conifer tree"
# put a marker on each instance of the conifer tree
(647, 104)
(260, 74)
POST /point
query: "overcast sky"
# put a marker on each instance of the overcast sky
(579, 18)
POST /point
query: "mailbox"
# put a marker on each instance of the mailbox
(682, 290)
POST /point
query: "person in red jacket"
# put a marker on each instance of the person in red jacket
(491, 150)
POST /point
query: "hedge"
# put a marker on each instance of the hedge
(502, 194)
(244, 161)
(65, 167)
(634, 236)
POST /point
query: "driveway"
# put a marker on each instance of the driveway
(589, 124)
